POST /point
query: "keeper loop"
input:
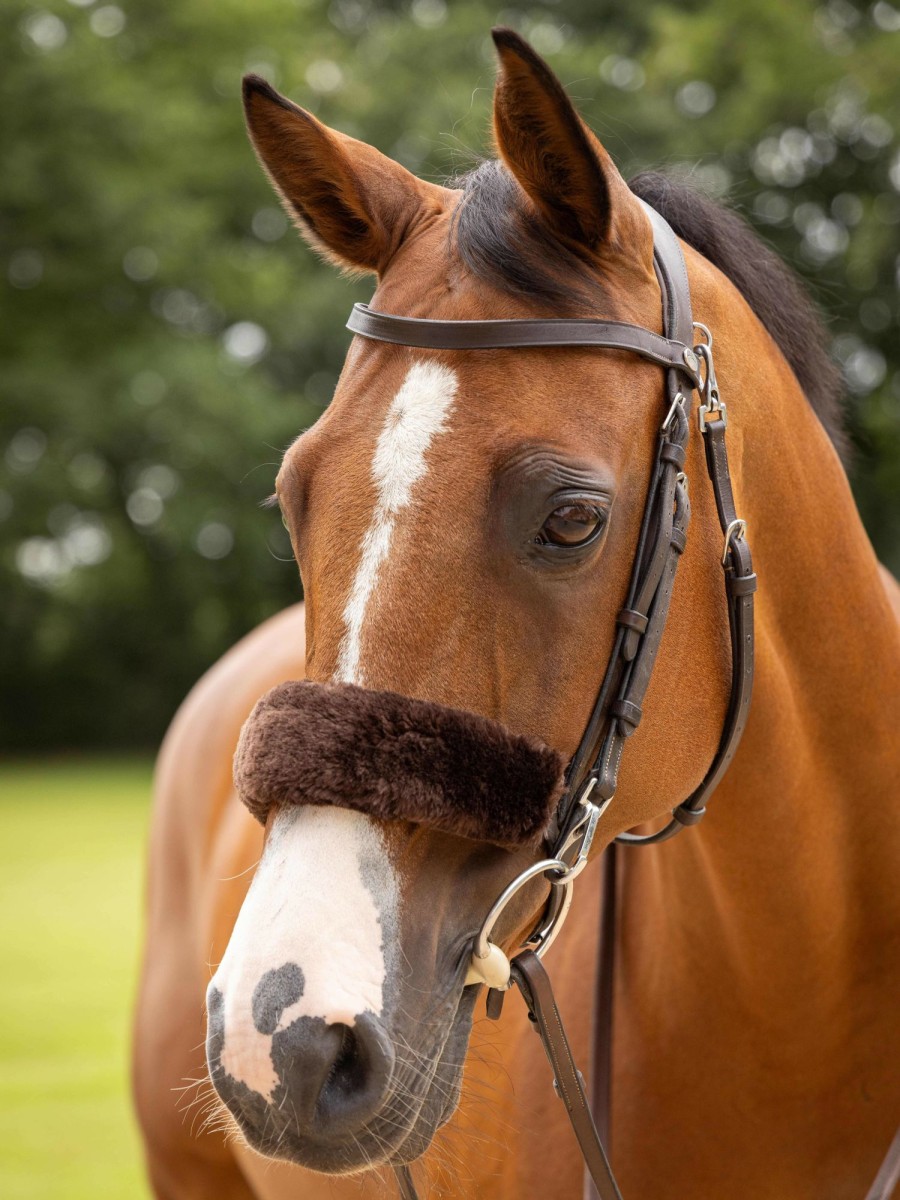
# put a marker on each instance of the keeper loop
(631, 619)
(628, 714)
(741, 585)
(673, 453)
(688, 816)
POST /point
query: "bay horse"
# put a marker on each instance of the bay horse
(464, 524)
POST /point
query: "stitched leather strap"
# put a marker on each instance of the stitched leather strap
(661, 539)
(671, 271)
(653, 576)
(514, 334)
(602, 1024)
(534, 984)
(740, 585)
(405, 1185)
(889, 1175)
(635, 650)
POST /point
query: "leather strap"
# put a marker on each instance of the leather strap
(518, 334)
(660, 541)
(602, 1032)
(889, 1175)
(534, 984)
(618, 706)
(740, 585)
(405, 1185)
(671, 271)
(603, 741)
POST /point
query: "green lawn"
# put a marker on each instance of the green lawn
(71, 881)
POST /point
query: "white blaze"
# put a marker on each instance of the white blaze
(325, 897)
(417, 413)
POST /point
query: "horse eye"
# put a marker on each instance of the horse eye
(571, 525)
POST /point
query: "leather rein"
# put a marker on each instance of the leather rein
(592, 775)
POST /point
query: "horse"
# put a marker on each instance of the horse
(464, 523)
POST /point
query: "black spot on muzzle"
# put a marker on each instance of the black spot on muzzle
(394, 757)
(277, 990)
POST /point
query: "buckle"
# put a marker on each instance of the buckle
(576, 845)
(677, 403)
(712, 407)
(736, 529)
(715, 410)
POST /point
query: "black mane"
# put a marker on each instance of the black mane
(507, 245)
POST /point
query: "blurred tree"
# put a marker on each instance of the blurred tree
(165, 337)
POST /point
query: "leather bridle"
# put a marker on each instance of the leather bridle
(593, 772)
(594, 769)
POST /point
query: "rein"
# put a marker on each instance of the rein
(592, 775)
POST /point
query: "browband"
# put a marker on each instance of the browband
(425, 333)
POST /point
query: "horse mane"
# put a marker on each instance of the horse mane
(505, 243)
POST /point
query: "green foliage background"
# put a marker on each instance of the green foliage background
(165, 335)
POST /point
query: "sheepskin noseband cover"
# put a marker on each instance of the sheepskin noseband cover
(394, 757)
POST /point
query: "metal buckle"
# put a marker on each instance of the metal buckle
(715, 409)
(712, 407)
(704, 329)
(678, 402)
(736, 529)
(488, 963)
(576, 847)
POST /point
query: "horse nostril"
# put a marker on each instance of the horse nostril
(347, 1070)
(360, 1072)
(336, 1076)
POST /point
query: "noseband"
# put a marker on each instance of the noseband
(568, 820)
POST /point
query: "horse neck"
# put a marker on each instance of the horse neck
(790, 882)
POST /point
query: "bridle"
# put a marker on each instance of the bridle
(592, 774)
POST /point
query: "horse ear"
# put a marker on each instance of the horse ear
(556, 159)
(350, 202)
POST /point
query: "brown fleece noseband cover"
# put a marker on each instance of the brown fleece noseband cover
(393, 757)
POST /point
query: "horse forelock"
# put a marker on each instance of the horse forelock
(501, 239)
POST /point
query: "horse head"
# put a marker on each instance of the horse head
(465, 526)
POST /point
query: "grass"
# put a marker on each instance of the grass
(71, 882)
